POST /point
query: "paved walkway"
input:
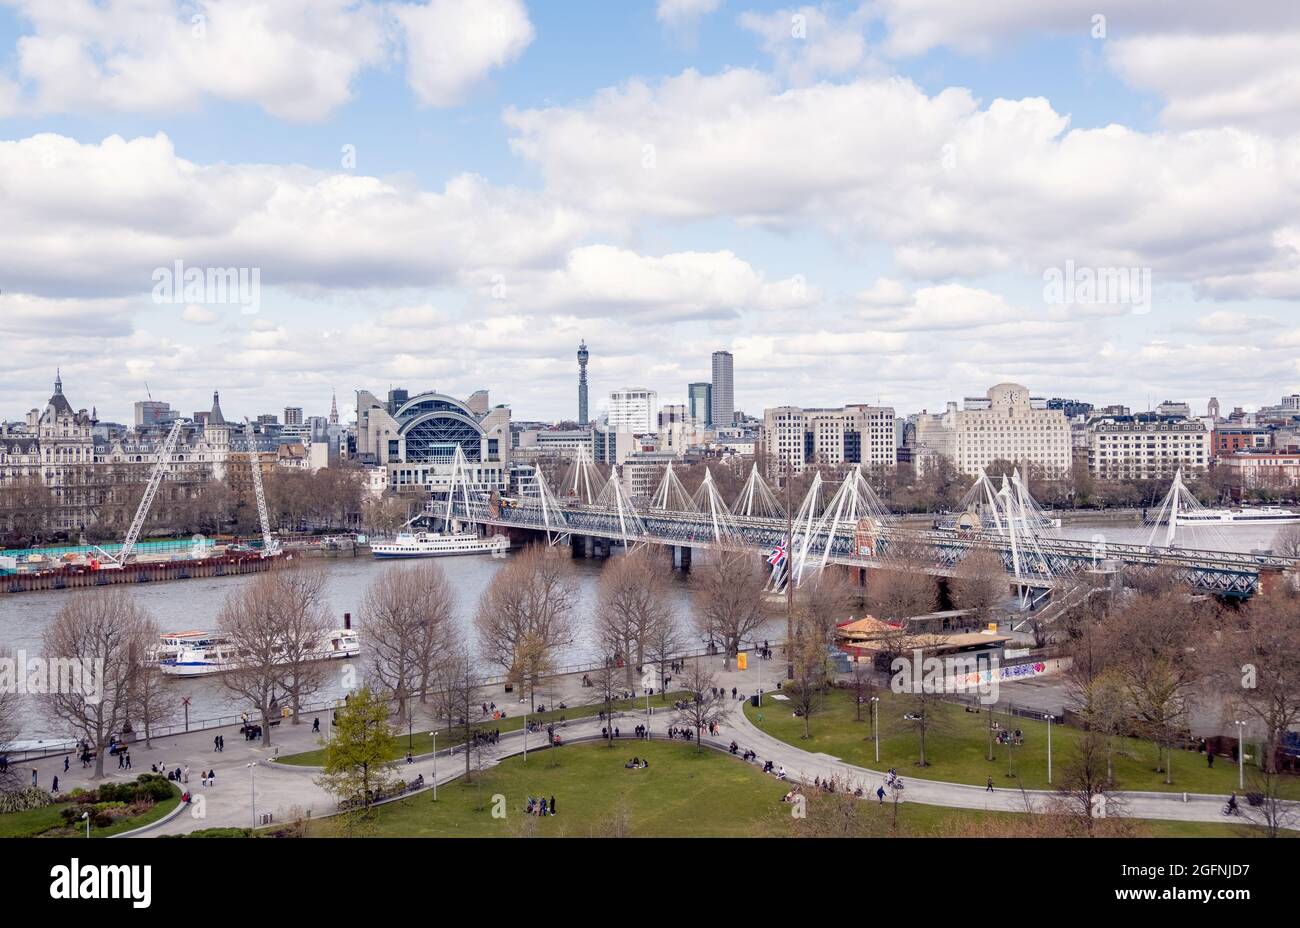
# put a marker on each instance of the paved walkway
(246, 774)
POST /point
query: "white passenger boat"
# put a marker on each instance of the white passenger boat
(198, 654)
(1261, 515)
(432, 544)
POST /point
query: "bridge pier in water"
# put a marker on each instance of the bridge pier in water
(681, 558)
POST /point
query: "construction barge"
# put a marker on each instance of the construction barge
(81, 575)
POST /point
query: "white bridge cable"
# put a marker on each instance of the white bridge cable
(1024, 530)
(1181, 515)
(583, 479)
(856, 508)
(756, 499)
(670, 495)
(614, 499)
(709, 503)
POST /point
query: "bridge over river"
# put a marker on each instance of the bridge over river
(849, 527)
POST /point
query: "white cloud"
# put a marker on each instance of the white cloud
(296, 59)
(916, 26)
(453, 44)
(605, 280)
(1244, 79)
(679, 13)
(101, 217)
(200, 315)
(941, 308)
(955, 187)
(807, 41)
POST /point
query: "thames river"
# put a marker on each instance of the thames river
(194, 604)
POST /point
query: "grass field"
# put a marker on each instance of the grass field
(42, 821)
(957, 745)
(683, 793)
(422, 743)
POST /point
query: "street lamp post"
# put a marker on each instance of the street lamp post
(252, 789)
(525, 737)
(1241, 755)
(875, 724)
(433, 738)
(86, 816)
(1049, 748)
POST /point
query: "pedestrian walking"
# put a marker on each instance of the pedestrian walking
(65, 763)
(990, 786)
(55, 787)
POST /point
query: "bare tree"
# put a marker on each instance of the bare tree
(1287, 541)
(456, 688)
(106, 634)
(980, 585)
(10, 713)
(1266, 806)
(811, 664)
(633, 604)
(304, 623)
(530, 602)
(863, 682)
(1087, 788)
(148, 690)
(663, 643)
(728, 594)
(827, 600)
(252, 619)
(1253, 660)
(897, 593)
(605, 694)
(703, 703)
(1151, 643)
(408, 616)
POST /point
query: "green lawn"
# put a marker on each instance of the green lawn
(683, 793)
(36, 822)
(423, 744)
(957, 745)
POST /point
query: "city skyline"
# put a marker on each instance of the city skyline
(475, 234)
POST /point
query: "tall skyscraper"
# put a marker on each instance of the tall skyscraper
(724, 392)
(700, 401)
(583, 354)
(293, 415)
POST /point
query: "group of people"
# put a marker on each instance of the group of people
(541, 807)
(176, 776)
(642, 732)
(636, 763)
(219, 743)
(685, 734)
(769, 767)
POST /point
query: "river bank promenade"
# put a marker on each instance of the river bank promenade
(285, 791)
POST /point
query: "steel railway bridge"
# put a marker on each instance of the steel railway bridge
(851, 529)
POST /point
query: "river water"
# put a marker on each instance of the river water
(194, 604)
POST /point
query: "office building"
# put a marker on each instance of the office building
(723, 400)
(633, 409)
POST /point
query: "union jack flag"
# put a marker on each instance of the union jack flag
(777, 557)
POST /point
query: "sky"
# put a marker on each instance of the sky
(895, 201)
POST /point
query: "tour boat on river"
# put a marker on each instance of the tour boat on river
(198, 654)
(1261, 515)
(433, 544)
